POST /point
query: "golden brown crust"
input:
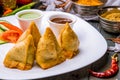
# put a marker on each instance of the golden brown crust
(22, 55)
(69, 41)
(18, 65)
(48, 52)
(34, 31)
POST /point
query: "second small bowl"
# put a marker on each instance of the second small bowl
(57, 21)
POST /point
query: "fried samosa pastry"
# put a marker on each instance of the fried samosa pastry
(68, 40)
(22, 55)
(33, 30)
(48, 52)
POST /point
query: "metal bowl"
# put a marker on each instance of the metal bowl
(86, 12)
(109, 25)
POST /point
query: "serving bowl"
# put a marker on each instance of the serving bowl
(25, 17)
(57, 21)
(87, 12)
(109, 18)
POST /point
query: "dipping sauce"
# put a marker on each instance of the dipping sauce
(112, 15)
(61, 20)
(29, 15)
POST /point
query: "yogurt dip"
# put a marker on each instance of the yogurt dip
(29, 15)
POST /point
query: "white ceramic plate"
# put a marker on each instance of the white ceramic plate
(92, 47)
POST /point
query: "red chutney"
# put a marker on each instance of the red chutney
(61, 20)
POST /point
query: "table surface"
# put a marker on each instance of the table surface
(76, 75)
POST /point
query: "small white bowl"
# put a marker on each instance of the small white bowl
(32, 15)
(57, 27)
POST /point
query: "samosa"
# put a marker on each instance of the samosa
(48, 52)
(34, 31)
(22, 55)
(69, 41)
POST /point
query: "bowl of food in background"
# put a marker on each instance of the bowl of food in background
(109, 18)
(87, 9)
(8, 3)
(57, 21)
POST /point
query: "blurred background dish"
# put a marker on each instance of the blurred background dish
(87, 9)
(109, 18)
(8, 3)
